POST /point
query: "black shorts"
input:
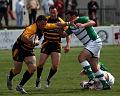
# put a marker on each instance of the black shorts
(49, 47)
(19, 53)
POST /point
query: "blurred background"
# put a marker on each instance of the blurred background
(108, 12)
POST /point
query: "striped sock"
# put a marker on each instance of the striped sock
(87, 68)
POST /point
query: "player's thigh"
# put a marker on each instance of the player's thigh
(31, 63)
(84, 55)
(93, 60)
(17, 66)
(94, 63)
(55, 56)
(95, 48)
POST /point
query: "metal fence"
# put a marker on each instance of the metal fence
(108, 13)
(106, 16)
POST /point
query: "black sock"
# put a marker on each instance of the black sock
(11, 74)
(39, 71)
(25, 78)
(51, 73)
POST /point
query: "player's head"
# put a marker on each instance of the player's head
(53, 11)
(70, 15)
(41, 21)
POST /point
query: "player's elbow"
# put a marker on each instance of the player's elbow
(93, 23)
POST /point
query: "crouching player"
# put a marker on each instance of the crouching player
(22, 51)
(96, 84)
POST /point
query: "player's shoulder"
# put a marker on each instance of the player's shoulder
(83, 19)
(31, 27)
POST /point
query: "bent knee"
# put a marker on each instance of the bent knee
(16, 72)
(55, 67)
(40, 65)
(32, 68)
(80, 59)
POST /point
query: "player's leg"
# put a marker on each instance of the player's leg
(98, 72)
(13, 72)
(85, 64)
(17, 60)
(31, 64)
(94, 48)
(42, 60)
(55, 57)
(102, 66)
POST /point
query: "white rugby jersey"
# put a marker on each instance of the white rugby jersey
(85, 35)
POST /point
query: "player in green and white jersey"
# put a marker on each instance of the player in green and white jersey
(82, 27)
(96, 84)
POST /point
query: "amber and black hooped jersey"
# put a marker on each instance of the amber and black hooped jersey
(28, 32)
(52, 35)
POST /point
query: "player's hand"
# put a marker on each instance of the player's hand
(62, 24)
(66, 49)
(80, 25)
(36, 43)
(34, 39)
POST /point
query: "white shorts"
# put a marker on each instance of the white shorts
(95, 47)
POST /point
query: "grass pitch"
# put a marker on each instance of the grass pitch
(66, 81)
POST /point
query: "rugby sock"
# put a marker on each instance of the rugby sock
(11, 74)
(87, 68)
(100, 75)
(39, 71)
(102, 66)
(51, 73)
(25, 78)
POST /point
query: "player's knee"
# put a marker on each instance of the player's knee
(32, 68)
(40, 65)
(17, 72)
(80, 59)
(55, 67)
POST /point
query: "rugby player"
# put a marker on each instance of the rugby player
(82, 27)
(22, 51)
(96, 84)
(51, 46)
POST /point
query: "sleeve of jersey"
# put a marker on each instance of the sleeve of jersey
(61, 20)
(29, 31)
(83, 19)
(50, 26)
(68, 31)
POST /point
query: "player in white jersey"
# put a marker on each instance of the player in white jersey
(82, 27)
(96, 84)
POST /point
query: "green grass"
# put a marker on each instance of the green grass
(66, 81)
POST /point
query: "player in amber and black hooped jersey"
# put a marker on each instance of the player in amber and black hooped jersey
(22, 51)
(82, 27)
(51, 45)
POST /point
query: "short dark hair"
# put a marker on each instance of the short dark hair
(71, 13)
(52, 7)
(41, 17)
